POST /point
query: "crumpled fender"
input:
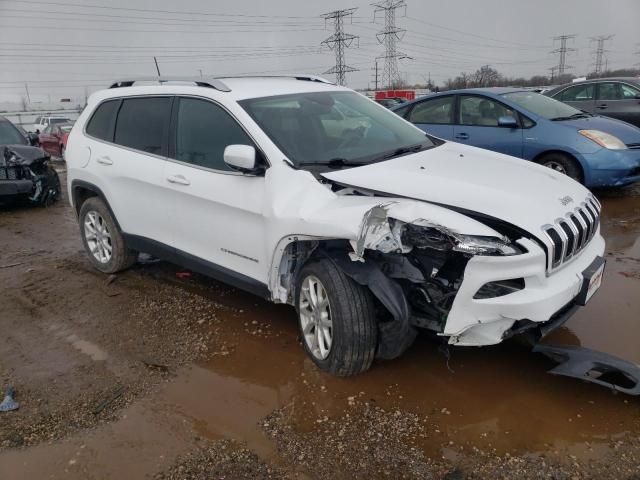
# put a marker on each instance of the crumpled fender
(397, 335)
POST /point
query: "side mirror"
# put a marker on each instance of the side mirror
(507, 122)
(34, 140)
(241, 157)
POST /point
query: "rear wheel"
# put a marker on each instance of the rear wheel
(102, 238)
(336, 318)
(564, 164)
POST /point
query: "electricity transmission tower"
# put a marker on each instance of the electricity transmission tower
(600, 51)
(339, 41)
(563, 50)
(388, 36)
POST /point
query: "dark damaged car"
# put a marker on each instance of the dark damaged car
(25, 172)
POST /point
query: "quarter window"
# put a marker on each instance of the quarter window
(143, 124)
(203, 131)
(579, 93)
(629, 92)
(438, 111)
(481, 111)
(100, 124)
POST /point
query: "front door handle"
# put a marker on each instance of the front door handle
(462, 136)
(179, 179)
(604, 106)
(104, 160)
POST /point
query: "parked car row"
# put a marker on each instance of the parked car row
(594, 150)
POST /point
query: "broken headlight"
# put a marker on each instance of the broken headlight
(442, 239)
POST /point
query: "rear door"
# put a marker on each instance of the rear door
(477, 125)
(216, 213)
(580, 96)
(619, 100)
(434, 116)
(129, 162)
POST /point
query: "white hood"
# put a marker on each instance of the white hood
(514, 190)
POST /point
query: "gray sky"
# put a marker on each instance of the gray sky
(59, 47)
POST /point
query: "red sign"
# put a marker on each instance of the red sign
(406, 94)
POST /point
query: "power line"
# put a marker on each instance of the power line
(389, 36)
(600, 51)
(338, 42)
(563, 50)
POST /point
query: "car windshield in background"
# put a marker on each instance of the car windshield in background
(334, 128)
(9, 135)
(544, 106)
(66, 128)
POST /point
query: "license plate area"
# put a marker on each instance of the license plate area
(591, 280)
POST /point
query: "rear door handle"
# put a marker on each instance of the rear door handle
(604, 106)
(462, 136)
(179, 179)
(104, 160)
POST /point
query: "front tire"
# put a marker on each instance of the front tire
(102, 238)
(564, 164)
(336, 317)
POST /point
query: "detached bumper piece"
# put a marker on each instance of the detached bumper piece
(592, 366)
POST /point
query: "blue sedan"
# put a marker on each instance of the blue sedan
(594, 150)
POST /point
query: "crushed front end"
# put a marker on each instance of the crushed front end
(478, 290)
(25, 173)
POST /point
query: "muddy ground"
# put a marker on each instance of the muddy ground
(149, 375)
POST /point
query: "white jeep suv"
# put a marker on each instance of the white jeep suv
(307, 193)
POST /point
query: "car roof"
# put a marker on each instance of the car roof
(234, 88)
(489, 91)
(635, 80)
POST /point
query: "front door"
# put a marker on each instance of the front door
(477, 125)
(215, 212)
(580, 96)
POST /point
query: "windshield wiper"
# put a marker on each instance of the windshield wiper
(405, 150)
(335, 163)
(572, 117)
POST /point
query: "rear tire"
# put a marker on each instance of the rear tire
(564, 164)
(102, 239)
(349, 318)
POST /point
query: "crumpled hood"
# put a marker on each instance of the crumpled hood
(25, 154)
(626, 132)
(516, 191)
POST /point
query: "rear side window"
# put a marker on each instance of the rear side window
(143, 124)
(438, 111)
(203, 131)
(101, 123)
(579, 93)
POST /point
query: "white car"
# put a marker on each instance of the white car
(371, 229)
(40, 123)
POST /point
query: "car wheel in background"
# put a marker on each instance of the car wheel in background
(564, 164)
(337, 319)
(103, 239)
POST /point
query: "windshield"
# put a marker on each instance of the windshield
(66, 128)
(10, 135)
(329, 127)
(58, 120)
(543, 106)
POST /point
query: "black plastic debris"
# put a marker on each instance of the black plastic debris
(9, 403)
(593, 366)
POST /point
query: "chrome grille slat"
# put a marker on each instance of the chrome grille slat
(572, 233)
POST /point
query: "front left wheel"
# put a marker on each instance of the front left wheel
(337, 319)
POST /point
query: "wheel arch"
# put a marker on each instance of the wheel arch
(538, 159)
(82, 191)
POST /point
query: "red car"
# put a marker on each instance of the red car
(53, 139)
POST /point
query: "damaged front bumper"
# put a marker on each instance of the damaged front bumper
(27, 177)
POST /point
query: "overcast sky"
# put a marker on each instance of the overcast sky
(61, 47)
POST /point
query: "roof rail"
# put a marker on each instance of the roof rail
(208, 82)
(298, 76)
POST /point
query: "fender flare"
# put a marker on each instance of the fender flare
(397, 335)
(76, 184)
